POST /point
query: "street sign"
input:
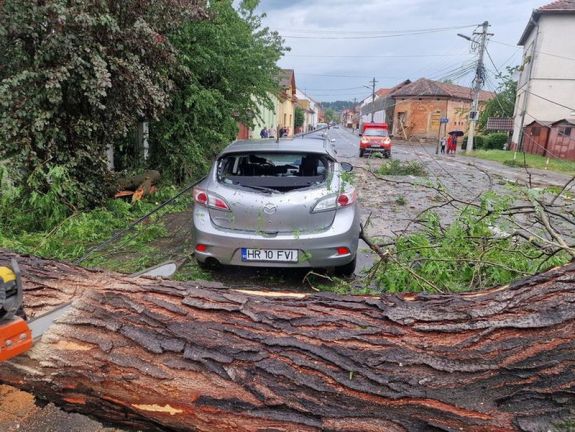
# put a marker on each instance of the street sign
(444, 120)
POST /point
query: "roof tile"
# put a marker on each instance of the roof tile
(427, 87)
(558, 5)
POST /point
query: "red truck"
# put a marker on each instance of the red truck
(375, 138)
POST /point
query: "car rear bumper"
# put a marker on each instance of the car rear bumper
(315, 249)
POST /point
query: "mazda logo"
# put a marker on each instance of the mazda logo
(270, 209)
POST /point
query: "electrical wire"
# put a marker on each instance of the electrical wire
(131, 226)
(416, 56)
(369, 32)
(537, 51)
(341, 36)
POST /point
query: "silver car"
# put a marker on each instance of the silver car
(278, 204)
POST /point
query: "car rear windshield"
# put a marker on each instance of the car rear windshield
(376, 132)
(273, 171)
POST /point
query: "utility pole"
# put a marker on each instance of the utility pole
(372, 98)
(373, 81)
(478, 82)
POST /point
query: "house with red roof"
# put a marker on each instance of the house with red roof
(428, 109)
(545, 106)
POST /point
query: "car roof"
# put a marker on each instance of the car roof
(304, 144)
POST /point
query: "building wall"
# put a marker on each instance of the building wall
(562, 141)
(421, 117)
(535, 139)
(268, 118)
(551, 77)
(286, 114)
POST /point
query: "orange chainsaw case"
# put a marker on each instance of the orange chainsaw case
(15, 338)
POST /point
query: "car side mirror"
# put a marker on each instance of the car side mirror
(391, 136)
(346, 166)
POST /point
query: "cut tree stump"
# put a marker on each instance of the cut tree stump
(154, 354)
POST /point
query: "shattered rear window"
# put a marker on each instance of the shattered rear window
(273, 171)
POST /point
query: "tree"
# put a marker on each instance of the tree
(299, 117)
(76, 77)
(330, 115)
(503, 104)
(227, 68)
(151, 353)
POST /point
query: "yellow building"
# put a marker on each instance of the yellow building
(287, 100)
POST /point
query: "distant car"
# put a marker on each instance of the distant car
(375, 138)
(284, 204)
(321, 126)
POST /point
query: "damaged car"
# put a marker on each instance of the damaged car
(277, 204)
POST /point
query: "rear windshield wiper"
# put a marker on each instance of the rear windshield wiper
(260, 188)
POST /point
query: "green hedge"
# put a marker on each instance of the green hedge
(493, 141)
(496, 141)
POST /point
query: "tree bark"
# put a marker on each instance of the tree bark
(156, 354)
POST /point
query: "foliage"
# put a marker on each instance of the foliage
(468, 254)
(400, 200)
(496, 141)
(338, 106)
(75, 77)
(398, 168)
(227, 69)
(515, 163)
(503, 104)
(299, 117)
(72, 236)
(535, 161)
(330, 115)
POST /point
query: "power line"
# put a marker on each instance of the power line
(381, 36)
(537, 51)
(373, 56)
(549, 100)
(370, 32)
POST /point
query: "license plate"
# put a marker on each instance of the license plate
(376, 146)
(275, 255)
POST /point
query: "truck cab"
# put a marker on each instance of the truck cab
(374, 137)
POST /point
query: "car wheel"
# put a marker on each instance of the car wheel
(346, 269)
(361, 153)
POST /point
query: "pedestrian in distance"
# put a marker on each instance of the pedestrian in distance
(442, 143)
(264, 133)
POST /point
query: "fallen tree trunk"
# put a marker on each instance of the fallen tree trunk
(158, 354)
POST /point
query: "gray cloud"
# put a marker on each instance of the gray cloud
(438, 52)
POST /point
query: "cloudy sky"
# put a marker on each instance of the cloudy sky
(336, 45)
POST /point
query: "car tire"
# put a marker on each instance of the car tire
(361, 153)
(346, 269)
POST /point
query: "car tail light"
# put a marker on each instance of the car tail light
(333, 202)
(200, 197)
(345, 199)
(210, 200)
(343, 251)
(201, 247)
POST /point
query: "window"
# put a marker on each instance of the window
(565, 131)
(277, 171)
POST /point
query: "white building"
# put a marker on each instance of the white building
(546, 86)
(312, 114)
